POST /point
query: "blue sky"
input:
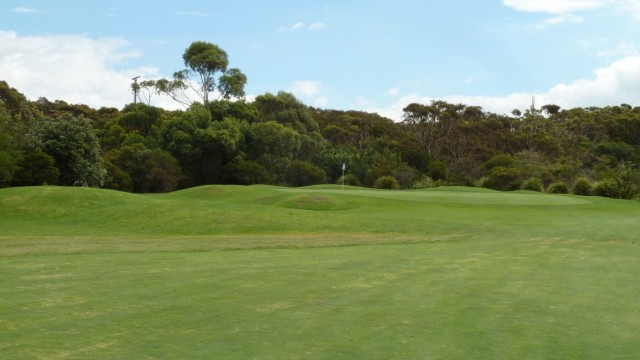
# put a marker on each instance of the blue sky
(369, 55)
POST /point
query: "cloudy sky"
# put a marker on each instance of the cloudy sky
(369, 55)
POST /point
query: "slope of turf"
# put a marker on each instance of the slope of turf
(323, 273)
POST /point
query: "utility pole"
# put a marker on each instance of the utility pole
(135, 88)
(533, 104)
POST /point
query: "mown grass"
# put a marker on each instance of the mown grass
(317, 273)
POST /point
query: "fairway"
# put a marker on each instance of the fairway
(264, 272)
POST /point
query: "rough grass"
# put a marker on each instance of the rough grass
(317, 273)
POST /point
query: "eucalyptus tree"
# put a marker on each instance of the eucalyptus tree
(206, 71)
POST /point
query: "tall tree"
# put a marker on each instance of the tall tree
(206, 65)
(71, 141)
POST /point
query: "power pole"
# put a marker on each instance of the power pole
(533, 104)
(135, 88)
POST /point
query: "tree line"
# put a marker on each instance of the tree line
(276, 139)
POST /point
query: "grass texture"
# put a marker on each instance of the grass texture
(262, 272)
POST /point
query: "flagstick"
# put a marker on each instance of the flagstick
(343, 176)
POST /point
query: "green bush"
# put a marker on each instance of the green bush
(558, 188)
(349, 179)
(303, 173)
(437, 170)
(533, 184)
(425, 183)
(387, 182)
(501, 160)
(582, 187)
(502, 178)
(247, 173)
(614, 189)
(624, 185)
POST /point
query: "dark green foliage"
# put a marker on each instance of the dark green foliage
(140, 118)
(116, 178)
(8, 167)
(618, 150)
(150, 170)
(72, 142)
(608, 188)
(501, 160)
(202, 147)
(405, 176)
(36, 168)
(231, 84)
(387, 182)
(273, 146)
(437, 170)
(348, 179)
(9, 150)
(533, 184)
(285, 109)
(624, 185)
(247, 172)
(558, 188)
(240, 110)
(302, 173)
(503, 179)
(582, 187)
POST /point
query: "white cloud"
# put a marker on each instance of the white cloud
(321, 102)
(613, 85)
(555, 6)
(72, 68)
(560, 7)
(295, 27)
(623, 49)
(302, 26)
(305, 88)
(317, 26)
(393, 91)
(557, 20)
(25, 10)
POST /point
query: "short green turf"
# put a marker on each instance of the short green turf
(262, 272)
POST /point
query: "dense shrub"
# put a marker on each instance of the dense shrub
(36, 168)
(302, 173)
(624, 185)
(502, 178)
(405, 176)
(437, 170)
(426, 182)
(533, 184)
(349, 179)
(558, 188)
(582, 187)
(247, 172)
(614, 189)
(387, 182)
(501, 160)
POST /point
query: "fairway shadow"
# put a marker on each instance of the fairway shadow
(316, 202)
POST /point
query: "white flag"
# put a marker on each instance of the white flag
(344, 167)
